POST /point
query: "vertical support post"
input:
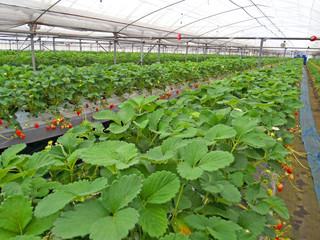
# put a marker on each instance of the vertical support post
(141, 53)
(159, 48)
(97, 47)
(115, 50)
(80, 43)
(40, 44)
(205, 53)
(17, 43)
(54, 45)
(132, 48)
(260, 52)
(9, 44)
(284, 54)
(187, 53)
(32, 47)
(225, 53)
(197, 52)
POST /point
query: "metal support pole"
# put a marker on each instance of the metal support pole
(141, 54)
(284, 54)
(132, 48)
(260, 52)
(40, 45)
(197, 54)
(80, 45)
(54, 45)
(205, 52)
(159, 48)
(114, 51)
(97, 47)
(17, 43)
(32, 47)
(9, 44)
(187, 53)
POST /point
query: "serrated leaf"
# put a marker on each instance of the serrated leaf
(198, 222)
(252, 221)
(38, 160)
(193, 152)
(198, 236)
(121, 192)
(236, 179)
(156, 154)
(6, 235)
(154, 119)
(244, 125)
(256, 140)
(208, 116)
(10, 153)
(17, 187)
(115, 227)
(278, 206)
(117, 129)
(243, 235)
(160, 187)
(84, 187)
(230, 192)
(53, 203)
(40, 187)
(188, 172)
(70, 142)
(38, 226)
(15, 213)
(222, 229)
(211, 182)
(184, 202)
(107, 115)
(153, 220)
(216, 160)
(220, 131)
(79, 221)
(173, 236)
(269, 232)
(109, 153)
(261, 207)
(126, 113)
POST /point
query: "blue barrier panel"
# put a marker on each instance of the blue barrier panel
(309, 135)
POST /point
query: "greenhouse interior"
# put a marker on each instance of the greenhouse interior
(159, 119)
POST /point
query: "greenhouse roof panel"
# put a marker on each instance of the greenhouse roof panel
(167, 18)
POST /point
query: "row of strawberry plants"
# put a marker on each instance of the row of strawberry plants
(79, 59)
(54, 87)
(163, 169)
(314, 69)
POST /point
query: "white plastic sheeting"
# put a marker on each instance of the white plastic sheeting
(100, 19)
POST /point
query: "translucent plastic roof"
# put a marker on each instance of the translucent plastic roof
(153, 19)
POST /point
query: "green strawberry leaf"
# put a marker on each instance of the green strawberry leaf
(10, 153)
(189, 172)
(26, 237)
(173, 236)
(114, 227)
(53, 203)
(220, 131)
(230, 192)
(38, 226)
(160, 187)
(107, 115)
(153, 220)
(278, 206)
(117, 129)
(244, 125)
(216, 160)
(15, 213)
(17, 187)
(79, 221)
(121, 192)
(252, 221)
(84, 187)
(222, 229)
(199, 236)
(157, 155)
(193, 152)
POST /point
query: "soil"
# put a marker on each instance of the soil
(303, 205)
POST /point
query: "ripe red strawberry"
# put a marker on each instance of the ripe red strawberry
(177, 91)
(97, 109)
(61, 119)
(54, 121)
(78, 112)
(280, 187)
(279, 226)
(48, 128)
(23, 136)
(87, 105)
(53, 127)
(171, 89)
(112, 105)
(196, 86)
(93, 118)
(277, 238)
(289, 170)
(5, 126)
(0, 121)
(70, 125)
(18, 132)
(36, 125)
(296, 113)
